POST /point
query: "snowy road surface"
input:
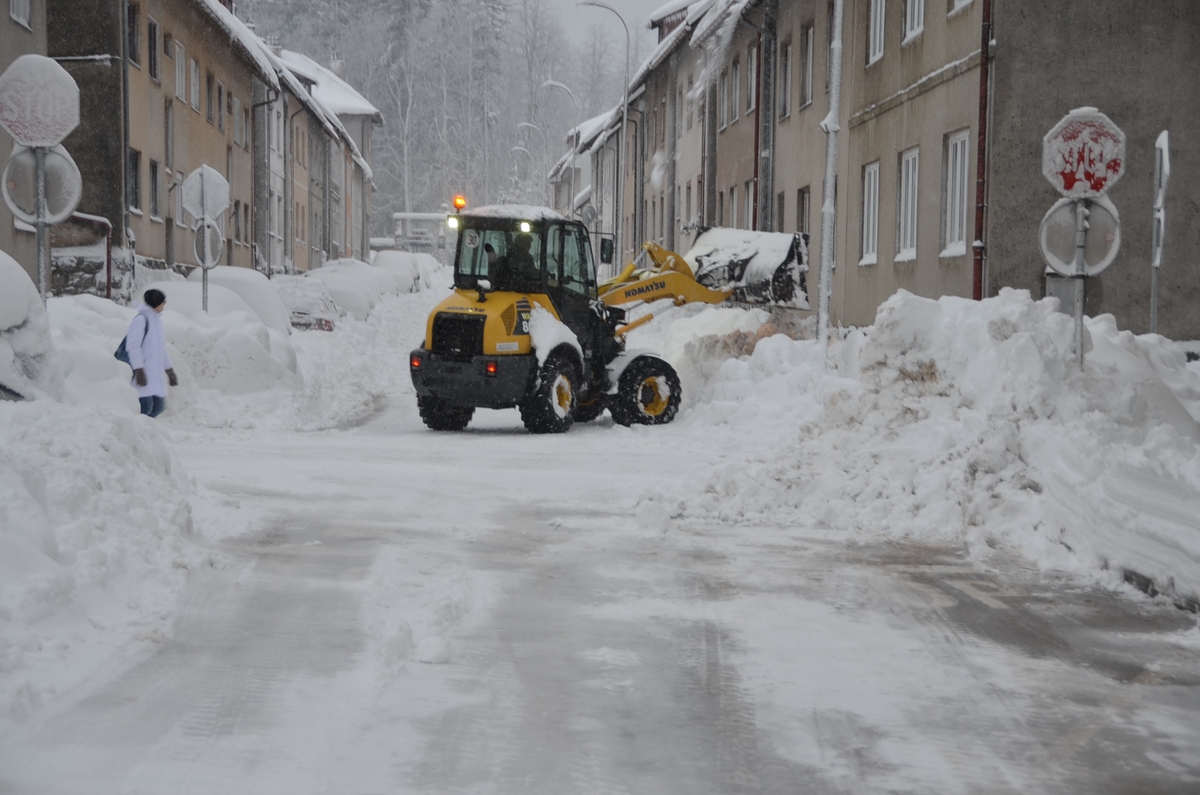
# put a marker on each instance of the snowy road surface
(489, 612)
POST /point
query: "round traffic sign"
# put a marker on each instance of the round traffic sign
(1102, 241)
(39, 101)
(1084, 154)
(208, 243)
(64, 185)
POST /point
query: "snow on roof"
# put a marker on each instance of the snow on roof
(333, 125)
(332, 91)
(660, 54)
(721, 15)
(673, 7)
(244, 41)
(523, 212)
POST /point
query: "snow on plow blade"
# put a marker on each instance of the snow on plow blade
(759, 267)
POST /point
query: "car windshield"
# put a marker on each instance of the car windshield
(501, 253)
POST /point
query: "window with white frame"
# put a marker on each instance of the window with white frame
(957, 4)
(748, 210)
(914, 18)
(154, 174)
(803, 198)
(735, 86)
(152, 48)
(733, 207)
(133, 35)
(237, 121)
(906, 237)
(955, 220)
(751, 76)
(724, 99)
(806, 65)
(18, 10)
(691, 100)
(870, 214)
(875, 31)
(785, 79)
(195, 81)
(180, 72)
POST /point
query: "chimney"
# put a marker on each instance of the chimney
(336, 64)
(273, 44)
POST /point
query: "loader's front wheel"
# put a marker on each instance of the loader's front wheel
(648, 393)
(551, 407)
(438, 415)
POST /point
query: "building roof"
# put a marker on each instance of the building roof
(332, 91)
(241, 38)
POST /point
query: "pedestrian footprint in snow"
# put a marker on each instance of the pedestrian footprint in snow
(145, 346)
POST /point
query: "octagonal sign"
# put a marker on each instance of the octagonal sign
(1084, 154)
(39, 101)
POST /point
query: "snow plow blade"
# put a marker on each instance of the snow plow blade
(724, 265)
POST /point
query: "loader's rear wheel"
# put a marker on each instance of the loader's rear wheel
(551, 407)
(647, 394)
(438, 415)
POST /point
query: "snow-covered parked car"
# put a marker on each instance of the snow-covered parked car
(308, 302)
(413, 272)
(354, 285)
(254, 289)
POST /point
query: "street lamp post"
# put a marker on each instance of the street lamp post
(544, 147)
(620, 191)
(575, 134)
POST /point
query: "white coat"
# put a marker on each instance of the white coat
(146, 343)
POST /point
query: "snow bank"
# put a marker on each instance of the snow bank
(254, 289)
(28, 367)
(96, 540)
(964, 422)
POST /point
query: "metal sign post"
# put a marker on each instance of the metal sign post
(206, 197)
(39, 106)
(1082, 157)
(1162, 173)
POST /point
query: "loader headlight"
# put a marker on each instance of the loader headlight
(452, 222)
(525, 226)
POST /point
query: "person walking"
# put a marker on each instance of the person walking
(146, 344)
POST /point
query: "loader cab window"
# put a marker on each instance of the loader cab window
(509, 258)
(569, 261)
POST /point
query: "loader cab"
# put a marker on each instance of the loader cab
(551, 257)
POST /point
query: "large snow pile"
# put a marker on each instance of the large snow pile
(960, 422)
(28, 367)
(96, 540)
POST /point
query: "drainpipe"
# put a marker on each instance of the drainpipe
(125, 125)
(981, 158)
(759, 152)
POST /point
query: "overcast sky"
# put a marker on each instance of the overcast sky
(636, 14)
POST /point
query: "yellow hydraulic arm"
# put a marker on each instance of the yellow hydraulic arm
(668, 277)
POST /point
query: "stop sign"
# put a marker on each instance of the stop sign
(1084, 154)
(39, 101)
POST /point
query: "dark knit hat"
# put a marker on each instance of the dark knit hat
(154, 298)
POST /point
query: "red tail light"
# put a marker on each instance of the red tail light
(415, 362)
(491, 368)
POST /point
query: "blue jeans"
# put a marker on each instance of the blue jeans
(153, 406)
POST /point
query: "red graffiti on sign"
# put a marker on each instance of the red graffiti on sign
(1084, 154)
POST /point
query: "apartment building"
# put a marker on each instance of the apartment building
(756, 77)
(24, 34)
(165, 86)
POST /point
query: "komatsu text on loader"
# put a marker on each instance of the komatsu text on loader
(480, 350)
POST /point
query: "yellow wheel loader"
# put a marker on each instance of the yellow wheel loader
(529, 327)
